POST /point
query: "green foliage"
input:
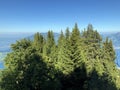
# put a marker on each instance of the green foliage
(26, 70)
(67, 34)
(64, 62)
(92, 35)
(77, 61)
(49, 44)
(38, 42)
(109, 50)
(22, 44)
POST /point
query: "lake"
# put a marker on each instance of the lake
(6, 39)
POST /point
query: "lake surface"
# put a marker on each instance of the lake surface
(117, 57)
(6, 39)
(1, 65)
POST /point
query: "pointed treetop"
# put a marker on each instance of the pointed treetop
(75, 31)
(67, 33)
(89, 27)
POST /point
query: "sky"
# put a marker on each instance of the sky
(57, 15)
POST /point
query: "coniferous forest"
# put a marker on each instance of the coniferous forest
(76, 61)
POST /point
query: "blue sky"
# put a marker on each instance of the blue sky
(44, 15)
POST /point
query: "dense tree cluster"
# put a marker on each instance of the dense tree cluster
(77, 61)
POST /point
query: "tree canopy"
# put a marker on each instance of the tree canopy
(77, 61)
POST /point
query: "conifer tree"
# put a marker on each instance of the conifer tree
(74, 43)
(38, 42)
(67, 34)
(50, 43)
(21, 44)
(64, 63)
(109, 50)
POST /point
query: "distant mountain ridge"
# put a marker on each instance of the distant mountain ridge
(6, 39)
(115, 37)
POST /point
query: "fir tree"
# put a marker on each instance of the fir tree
(38, 42)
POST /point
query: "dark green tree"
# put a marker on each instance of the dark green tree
(22, 44)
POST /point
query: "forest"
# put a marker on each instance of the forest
(78, 60)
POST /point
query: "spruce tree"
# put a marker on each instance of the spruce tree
(64, 63)
(38, 42)
(50, 43)
(67, 34)
(109, 50)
